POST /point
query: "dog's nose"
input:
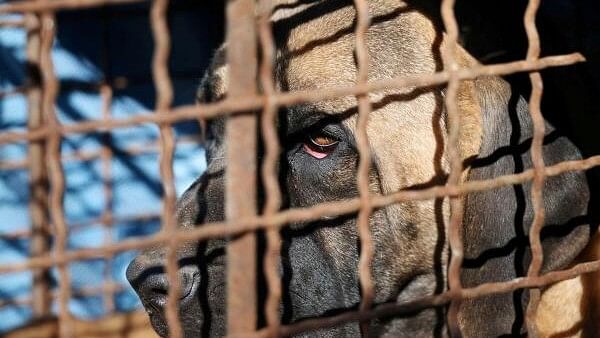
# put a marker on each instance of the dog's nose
(150, 281)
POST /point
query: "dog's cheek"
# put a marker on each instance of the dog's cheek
(310, 181)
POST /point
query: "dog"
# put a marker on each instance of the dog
(407, 133)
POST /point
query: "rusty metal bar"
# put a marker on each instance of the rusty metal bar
(231, 106)
(164, 99)
(38, 186)
(85, 155)
(269, 167)
(43, 5)
(82, 292)
(106, 156)
(240, 177)
(55, 170)
(454, 157)
(74, 227)
(281, 219)
(396, 309)
(537, 255)
(362, 179)
(118, 82)
(13, 23)
(241, 207)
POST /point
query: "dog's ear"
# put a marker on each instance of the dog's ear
(470, 110)
(471, 131)
(497, 222)
(213, 86)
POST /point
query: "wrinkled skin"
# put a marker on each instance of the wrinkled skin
(407, 135)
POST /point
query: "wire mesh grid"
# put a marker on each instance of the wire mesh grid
(245, 31)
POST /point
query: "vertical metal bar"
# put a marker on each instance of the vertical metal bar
(537, 255)
(38, 186)
(362, 179)
(55, 170)
(106, 155)
(164, 99)
(240, 177)
(269, 168)
(456, 202)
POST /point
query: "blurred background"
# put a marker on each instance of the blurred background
(113, 187)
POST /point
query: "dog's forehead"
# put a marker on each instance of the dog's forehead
(315, 44)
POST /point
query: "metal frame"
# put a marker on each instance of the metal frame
(245, 30)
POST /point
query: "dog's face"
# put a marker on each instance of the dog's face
(318, 163)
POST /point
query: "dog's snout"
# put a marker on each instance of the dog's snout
(199, 267)
(151, 282)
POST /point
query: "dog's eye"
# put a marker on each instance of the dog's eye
(319, 144)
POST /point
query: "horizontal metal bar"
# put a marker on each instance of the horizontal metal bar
(55, 5)
(230, 106)
(281, 219)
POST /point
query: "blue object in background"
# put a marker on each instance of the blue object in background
(104, 44)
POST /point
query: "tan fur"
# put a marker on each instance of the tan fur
(124, 325)
(571, 308)
(471, 131)
(316, 66)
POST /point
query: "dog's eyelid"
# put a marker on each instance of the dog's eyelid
(332, 130)
(322, 139)
(304, 118)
